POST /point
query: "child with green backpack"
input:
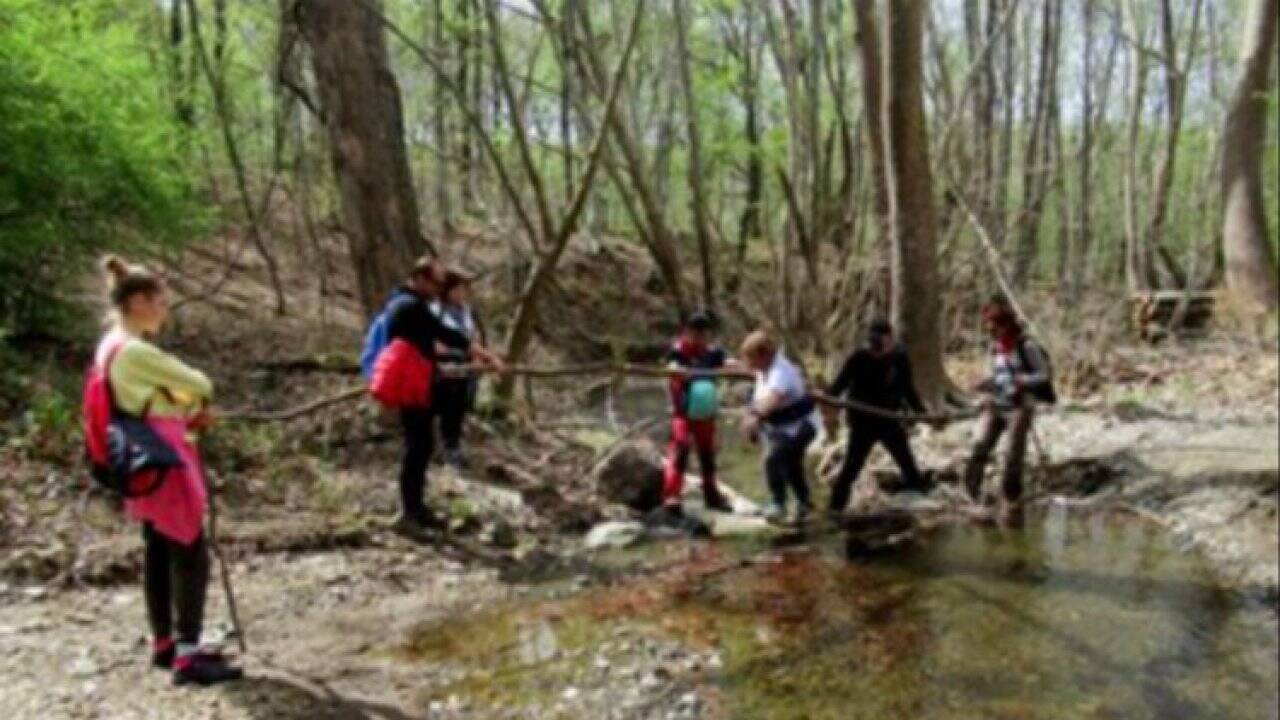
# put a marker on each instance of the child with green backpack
(694, 357)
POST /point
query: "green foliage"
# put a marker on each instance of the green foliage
(48, 430)
(88, 151)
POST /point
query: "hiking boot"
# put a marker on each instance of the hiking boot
(717, 502)
(775, 513)
(204, 668)
(163, 651)
(421, 528)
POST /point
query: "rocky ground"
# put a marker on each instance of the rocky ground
(346, 620)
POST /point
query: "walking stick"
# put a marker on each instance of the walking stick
(223, 572)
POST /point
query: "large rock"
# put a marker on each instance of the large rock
(631, 475)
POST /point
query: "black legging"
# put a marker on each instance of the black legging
(784, 464)
(175, 577)
(863, 435)
(451, 400)
(419, 443)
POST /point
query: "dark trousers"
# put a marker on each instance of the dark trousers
(450, 400)
(863, 436)
(784, 464)
(175, 577)
(994, 423)
(419, 443)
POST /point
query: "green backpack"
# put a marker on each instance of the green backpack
(702, 399)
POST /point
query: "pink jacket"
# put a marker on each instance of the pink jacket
(176, 510)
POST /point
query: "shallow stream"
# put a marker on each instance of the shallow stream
(1073, 615)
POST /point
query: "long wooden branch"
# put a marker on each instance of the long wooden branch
(865, 409)
(602, 368)
(354, 393)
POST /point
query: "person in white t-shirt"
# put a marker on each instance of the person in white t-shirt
(782, 411)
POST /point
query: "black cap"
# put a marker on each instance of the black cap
(878, 329)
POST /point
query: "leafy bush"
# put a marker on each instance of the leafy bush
(88, 151)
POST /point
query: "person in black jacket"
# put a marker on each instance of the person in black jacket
(877, 374)
(411, 320)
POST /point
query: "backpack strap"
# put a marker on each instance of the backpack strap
(1024, 358)
(107, 362)
(111, 393)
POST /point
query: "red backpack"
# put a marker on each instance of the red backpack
(402, 377)
(96, 406)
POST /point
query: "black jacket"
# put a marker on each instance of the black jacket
(412, 320)
(884, 382)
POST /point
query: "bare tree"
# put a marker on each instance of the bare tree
(1036, 165)
(1083, 236)
(222, 106)
(363, 115)
(1137, 258)
(701, 226)
(869, 54)
(440, 129)
(917, 301)
(742, 43)
(1250, 264)
(1175, 74)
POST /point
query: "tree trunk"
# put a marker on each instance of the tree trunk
(701, 229)
(917, 303)
(439, 98)
(983, 100)
(1137, 256)
(182, 107)
(566, 94)
(749, 220)
(363, 116)
(1004, 169)
(466, 146)
(872, 100)
(1075, 275)
(1246, 244)
(1175, 93)
(1035, 172)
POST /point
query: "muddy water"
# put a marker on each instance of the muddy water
(1070, 616)
(1067, 618)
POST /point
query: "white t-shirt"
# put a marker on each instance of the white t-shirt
(455, 318)
(783, 378)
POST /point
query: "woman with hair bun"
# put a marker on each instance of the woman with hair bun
(172, 397)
